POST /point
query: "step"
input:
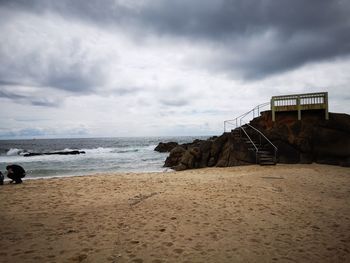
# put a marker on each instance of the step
(267, 163)
(265, 152)
(251, 149)
(265, 156)
(266, 160)
(251, 142)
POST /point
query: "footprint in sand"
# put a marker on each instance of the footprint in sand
(178, 250)
(79, 258)
(29, 251)
(168, 244)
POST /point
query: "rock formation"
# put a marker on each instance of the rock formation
(166, 147)
(312, 139)
(54, 153)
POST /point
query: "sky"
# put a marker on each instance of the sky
(116, 68)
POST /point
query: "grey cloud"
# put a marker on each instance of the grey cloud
(10, 83)
(27, 132)
(35, 132)
(45, 102)
(223, 23)
(305, 31)
(126, 90)
(33, 100)
(76, 78)
(174, 102)
(11, 95)
(68, 67)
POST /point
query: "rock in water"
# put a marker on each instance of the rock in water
(54, 153)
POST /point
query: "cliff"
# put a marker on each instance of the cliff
(312, 139)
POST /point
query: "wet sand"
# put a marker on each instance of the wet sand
(284, 213)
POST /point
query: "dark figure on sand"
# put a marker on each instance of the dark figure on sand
(15, 173)
(2, 177)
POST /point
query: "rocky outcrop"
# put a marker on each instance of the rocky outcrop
(165, 146)
(216, 151)
(312, 139)
(54, 153)
(175, 156)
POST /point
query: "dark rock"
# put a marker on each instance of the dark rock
(345, 162)
(179, 167)
(211, 162)
(165, 147)
(205, 148)
(54, 153)
(217, 145)
(306, 158)
(191, 158)
(174, 157)
(312, 139)
(287, 153)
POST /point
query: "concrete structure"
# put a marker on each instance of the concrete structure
(300, 102)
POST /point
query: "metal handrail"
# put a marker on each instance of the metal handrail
(275, 148)
(240, 118)
(256, 148)
(253, 110)
(241, 121)
(262, 135)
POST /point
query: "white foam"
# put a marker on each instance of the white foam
(14, 152)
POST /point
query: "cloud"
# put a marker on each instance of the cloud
(174, 102)
(35, 101)
(40, 133)
(146, 67)
(43, 58)
(244, 37)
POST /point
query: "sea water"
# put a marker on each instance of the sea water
(101, 155)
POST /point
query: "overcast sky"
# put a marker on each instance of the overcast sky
(163, 67)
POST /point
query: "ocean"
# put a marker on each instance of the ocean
(101, 155)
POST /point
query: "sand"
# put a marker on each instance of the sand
(283, 213)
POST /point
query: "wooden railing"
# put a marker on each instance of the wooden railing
(300, 102)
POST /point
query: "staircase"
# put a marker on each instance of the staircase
(266, 158)
(256, 141)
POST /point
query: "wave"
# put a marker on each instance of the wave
(127, 151)
(15, 151)
(17, 154)
(99, 150)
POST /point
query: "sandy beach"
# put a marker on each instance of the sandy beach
(283, 213)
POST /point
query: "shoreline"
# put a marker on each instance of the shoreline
(166, 170)
(248, 213)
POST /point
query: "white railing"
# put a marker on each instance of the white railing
(267, 139)
(299, 103)
(237, 122)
